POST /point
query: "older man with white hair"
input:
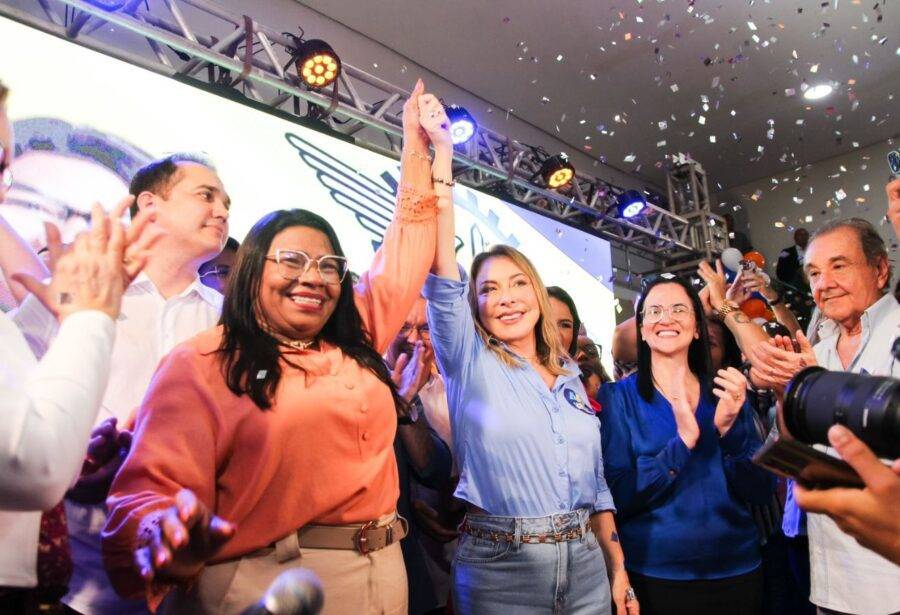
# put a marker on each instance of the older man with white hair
(849, 274)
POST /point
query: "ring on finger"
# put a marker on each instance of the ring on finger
(630, 595)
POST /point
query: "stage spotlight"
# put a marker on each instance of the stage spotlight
(462, 124)
(557, 171)
(630, 203)
(317, 63)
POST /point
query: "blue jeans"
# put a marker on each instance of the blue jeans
(502, 578)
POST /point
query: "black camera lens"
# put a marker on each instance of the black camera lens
(869, 406)
(894, 161)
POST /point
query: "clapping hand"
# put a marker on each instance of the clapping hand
(731, 389)
(685, 419)
(96, 270)
(775, 361)
(412, 371)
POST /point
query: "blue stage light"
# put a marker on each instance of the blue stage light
(630, 204)
(462, 124)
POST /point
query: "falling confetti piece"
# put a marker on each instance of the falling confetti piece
(630, 158)
(814, 68)
(840, 195)
(663, 125)
(808, 219)
(674, 87)
(701, 120)
(752, 26)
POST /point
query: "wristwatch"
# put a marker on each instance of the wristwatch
(415, 407)
(725, 309)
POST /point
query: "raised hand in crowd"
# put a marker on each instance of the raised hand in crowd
(893, 196)
(715, 283)
(731, 389)
(177, 541)
(871, 515)
(94, 272)
(106, 451)
(413, 134)
(434, 121)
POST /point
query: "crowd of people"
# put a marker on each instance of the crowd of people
(185, 418)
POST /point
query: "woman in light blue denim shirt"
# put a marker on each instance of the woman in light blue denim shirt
(539, 536)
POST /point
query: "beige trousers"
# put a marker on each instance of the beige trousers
(354, 584)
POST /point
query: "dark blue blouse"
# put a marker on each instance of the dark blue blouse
(682, 513)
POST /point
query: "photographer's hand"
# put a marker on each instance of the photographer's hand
(870, 515)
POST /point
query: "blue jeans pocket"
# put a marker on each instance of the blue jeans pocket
(472, 550)
(590, 539)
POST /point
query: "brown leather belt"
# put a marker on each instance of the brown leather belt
(361, 537)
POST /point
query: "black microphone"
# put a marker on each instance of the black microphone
(295, 592)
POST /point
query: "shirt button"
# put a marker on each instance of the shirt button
(562, 472)
(560, 440)
(673, 472)
(365, 435)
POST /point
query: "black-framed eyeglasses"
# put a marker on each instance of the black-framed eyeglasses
(6, 176)
(293, 264)
(220, 271)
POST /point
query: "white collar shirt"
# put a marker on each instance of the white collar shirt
(46, 413)
(148, 327)
(845, 576)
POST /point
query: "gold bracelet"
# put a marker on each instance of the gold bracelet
(438, 180)
(725, 309)
(420, 156)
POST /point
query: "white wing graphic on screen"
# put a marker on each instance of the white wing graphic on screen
(371, 201)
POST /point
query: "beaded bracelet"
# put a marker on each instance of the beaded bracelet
(438, 180)
(420, 156)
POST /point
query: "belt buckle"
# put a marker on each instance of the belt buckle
(362, 540)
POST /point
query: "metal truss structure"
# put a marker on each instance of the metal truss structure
(199, 40)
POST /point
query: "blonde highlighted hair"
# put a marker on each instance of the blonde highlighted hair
(550, 350)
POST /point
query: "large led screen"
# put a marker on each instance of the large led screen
(85, 122)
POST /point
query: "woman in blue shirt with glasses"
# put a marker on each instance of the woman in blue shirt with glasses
(678, 461)
(539, 536)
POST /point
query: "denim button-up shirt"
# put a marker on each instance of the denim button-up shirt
(523, 450)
